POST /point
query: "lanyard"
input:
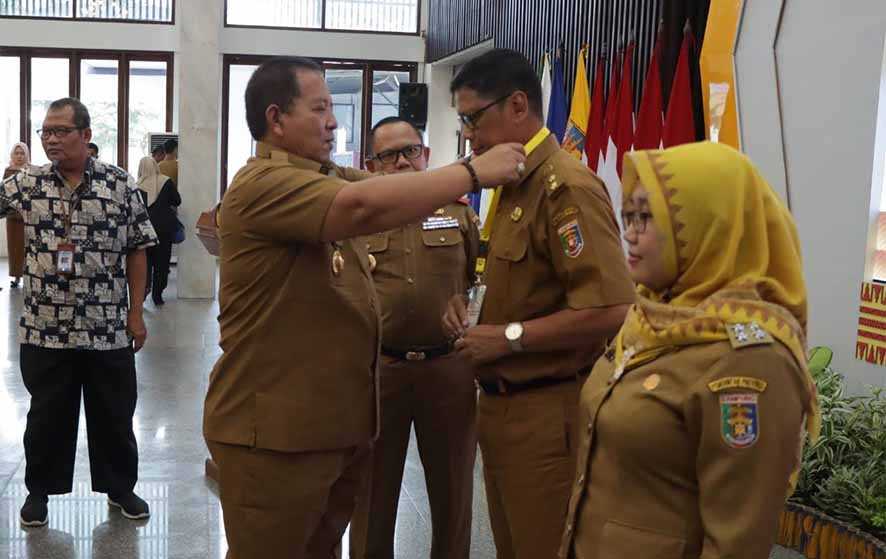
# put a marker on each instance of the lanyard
(486, 233)
(72, 203)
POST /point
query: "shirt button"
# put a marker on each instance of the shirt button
(581, 480)
(408, 251)
(442, 239)
(569, 528)
(410, 281)
(590, 426)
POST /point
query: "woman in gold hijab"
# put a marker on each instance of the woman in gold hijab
(693, 420)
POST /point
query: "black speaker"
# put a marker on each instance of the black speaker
(414, 104)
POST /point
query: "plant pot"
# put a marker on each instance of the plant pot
(818, 536)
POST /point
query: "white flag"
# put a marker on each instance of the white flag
(546, 86)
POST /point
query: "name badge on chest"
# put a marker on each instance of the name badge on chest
(439, 222)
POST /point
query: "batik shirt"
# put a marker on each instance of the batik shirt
(88, 308)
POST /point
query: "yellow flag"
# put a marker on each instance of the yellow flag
(577, 128)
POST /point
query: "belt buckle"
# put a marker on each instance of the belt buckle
(415, 356)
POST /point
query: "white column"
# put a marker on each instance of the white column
(199, 69)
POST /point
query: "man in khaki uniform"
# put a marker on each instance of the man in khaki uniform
(291, 407)
(557, 288)
(417, 268)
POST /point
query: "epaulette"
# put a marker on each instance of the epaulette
(747, 334)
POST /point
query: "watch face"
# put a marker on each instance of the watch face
(513, 331)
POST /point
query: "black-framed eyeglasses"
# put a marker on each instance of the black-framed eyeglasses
(470, 120)
(637, 220)
(391, 156)
(59, 132)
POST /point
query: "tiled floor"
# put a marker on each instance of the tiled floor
(186, 522)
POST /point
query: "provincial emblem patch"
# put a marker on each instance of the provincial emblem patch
(571, 238)
(739, 419)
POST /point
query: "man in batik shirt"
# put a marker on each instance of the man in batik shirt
(86, 231)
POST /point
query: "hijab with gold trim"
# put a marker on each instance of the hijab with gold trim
(734, 249)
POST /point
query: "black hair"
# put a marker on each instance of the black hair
(170, 145)
(81, 113)
(158, 148)
(93, 146)
(392, 120)
(499, 72)
(273, 83)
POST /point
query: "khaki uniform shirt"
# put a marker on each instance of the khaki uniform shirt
(300, 341)
(169, 167)
(687, 456)
(418, 268)
(555, 245)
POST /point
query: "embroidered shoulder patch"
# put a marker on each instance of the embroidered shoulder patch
(747, 383)
(739, 419)
(571, 238)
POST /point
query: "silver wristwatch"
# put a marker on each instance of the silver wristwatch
(514, 335)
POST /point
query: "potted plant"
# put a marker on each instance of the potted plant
(839, 508)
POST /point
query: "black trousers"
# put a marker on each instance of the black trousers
(55, 379)
(158, 266)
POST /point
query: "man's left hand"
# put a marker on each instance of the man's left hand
(483, 344)
(135, 325)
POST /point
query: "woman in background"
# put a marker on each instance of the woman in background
(19, 158)
(161, 197)
(695, 416)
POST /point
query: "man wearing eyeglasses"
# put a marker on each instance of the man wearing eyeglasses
(86, 234)
(557, 287)
(416, 269)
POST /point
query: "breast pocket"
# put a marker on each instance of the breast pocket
(507, 259)
(446, 249)
(378, 243)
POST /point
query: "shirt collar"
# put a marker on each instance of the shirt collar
(267, 151)
(88, 172)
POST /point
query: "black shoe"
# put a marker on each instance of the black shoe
(131, 506)
(34, 512)
(159, 301)
(14, 283)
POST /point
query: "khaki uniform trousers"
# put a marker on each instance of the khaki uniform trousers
(528, 441)
(439, 397)
(292, 505)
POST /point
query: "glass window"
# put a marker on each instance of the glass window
(147, 106)
(49, 81)
(10, 106)
(275, 13)
(241, 146)
(386, 93)
(50, 8)
(393, 16)
(98, 91)
(346, 88)
(135, 10)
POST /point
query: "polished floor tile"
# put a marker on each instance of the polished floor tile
(186, 520)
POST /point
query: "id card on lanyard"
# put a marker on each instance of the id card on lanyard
(477, 293)
(64, 256)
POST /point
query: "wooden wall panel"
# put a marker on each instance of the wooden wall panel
(534, 27)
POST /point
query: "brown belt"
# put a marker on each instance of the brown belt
(502, 387)
(425, 354)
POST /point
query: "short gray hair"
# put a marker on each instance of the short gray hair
(81, 113)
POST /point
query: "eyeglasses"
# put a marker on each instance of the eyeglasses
(59, 132)
(391, 156)
(637, 220)
(470, 120)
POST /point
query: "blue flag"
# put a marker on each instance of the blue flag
(557, 112)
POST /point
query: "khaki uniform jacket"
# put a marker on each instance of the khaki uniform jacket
(687, 456)
(555, 245)
(418, 268)
(300, 340)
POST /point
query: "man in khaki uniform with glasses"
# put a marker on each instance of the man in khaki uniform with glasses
(416, 269)
(557, 286)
